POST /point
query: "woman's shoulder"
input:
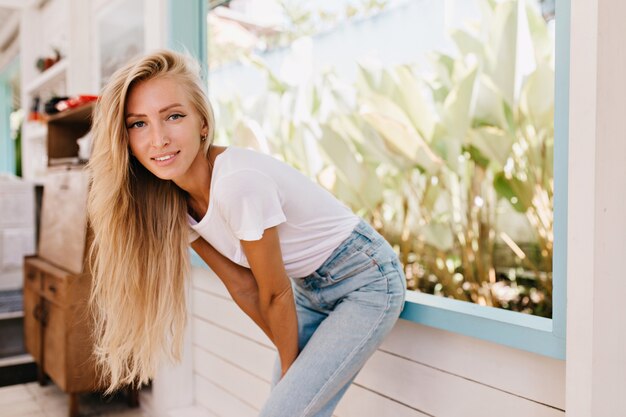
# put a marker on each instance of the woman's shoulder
(245, 161)
(241, 168)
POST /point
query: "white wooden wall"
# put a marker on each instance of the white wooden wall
(596, 334)
(419, 371)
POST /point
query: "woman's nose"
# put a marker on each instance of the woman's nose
(159, 137)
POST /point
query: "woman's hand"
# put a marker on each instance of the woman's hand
(276, 301)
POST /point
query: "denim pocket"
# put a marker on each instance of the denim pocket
(349, 266)
(353, 256)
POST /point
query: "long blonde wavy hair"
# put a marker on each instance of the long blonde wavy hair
(139, 255)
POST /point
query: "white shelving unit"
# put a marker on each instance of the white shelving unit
(51, 77)
(34, 142)
(65, 25)
(62, 24)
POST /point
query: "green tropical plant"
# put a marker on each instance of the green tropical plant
(453, 167)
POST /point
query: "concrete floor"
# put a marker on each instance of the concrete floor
(33, 400)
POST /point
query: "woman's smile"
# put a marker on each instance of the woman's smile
(165, 158)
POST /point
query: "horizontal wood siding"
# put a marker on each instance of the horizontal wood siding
(418, 371)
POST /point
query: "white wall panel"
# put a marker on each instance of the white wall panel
(225, 313)
(361, 402)
(256, 358)
(419, 371)
(526, 374)
(442, 394)
(220, 402)
(232, 378)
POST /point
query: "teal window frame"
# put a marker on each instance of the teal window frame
(187, 29)
(7, 151)
(521, 331)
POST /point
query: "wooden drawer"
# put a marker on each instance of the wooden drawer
(58, 327)
(32, 277)
(54, 345)
(32, 324)
(55, 288)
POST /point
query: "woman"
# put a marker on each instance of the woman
(320, 282)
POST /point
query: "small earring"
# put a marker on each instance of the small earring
(203, 138)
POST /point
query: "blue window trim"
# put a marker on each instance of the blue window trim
(521, 331)
(7, 151)
(187, 29)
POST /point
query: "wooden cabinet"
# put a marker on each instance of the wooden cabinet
(58, 327)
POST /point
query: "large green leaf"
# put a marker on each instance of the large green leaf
(537, 97)
(490, 104)
(502, 45)
(518, 193)
(443, 65)
(494, 143)
(274, 83)
(457, 106)
(412, 93)
(543, 43)
(368, 78)
(388, 83)
(358, 176)
(467, 43)
(397, 130)
(371, 146)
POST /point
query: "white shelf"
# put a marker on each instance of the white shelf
(54, 73)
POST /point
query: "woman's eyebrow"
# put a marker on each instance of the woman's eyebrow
(166, 108)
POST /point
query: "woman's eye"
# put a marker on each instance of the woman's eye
(176, 116)
(136, 124)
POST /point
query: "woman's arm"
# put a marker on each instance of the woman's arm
(238, 280)
(276, 301)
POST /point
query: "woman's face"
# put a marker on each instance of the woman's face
(164, 128)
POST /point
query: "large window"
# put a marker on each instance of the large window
(434, 120)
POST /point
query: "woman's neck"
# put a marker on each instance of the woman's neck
(197, 182)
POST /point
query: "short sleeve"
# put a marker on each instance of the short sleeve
(250, 202)
(193, 235)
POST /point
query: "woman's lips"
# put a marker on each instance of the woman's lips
(165, 159)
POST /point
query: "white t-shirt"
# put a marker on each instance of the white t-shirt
(251, 192)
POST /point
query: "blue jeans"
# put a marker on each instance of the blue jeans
(345, 309)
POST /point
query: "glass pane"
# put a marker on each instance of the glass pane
(432, 119)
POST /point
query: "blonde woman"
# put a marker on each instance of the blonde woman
(320, 282)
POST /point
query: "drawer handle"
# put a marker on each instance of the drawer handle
(52, 289)
(44, 314)
(37, 312)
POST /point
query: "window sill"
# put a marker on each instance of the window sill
(517, 330)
